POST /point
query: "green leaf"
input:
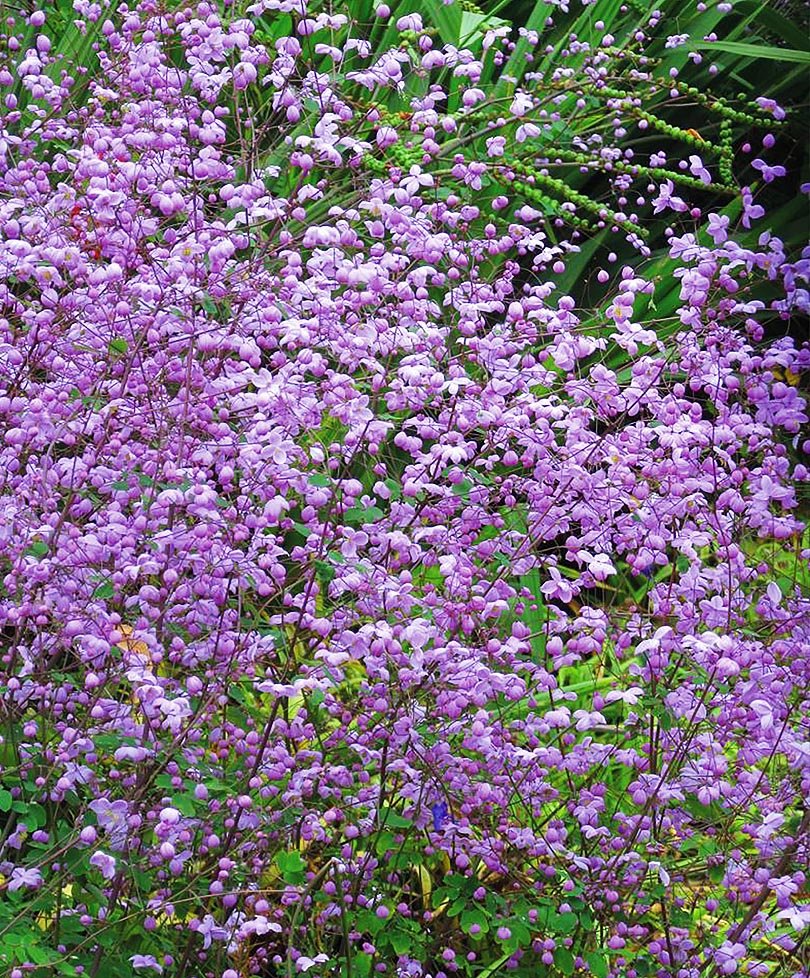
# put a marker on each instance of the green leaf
(564, 923)
(394, 488)
(535, 619)
(6, 800)
(757, 51)
(472, 917)
(118, 346)
(777, 23)
(361, 964)
(184, 804)
(35, 816)
(447, 18)
(39, 548)
(291, 866)
(391, 819)
(104, 591)
(597, 964)
(494, 968)
(369, 922)
(564, 960)
(405, 940)
(457, 906)
(42, 955)
(325, 570)
(363, 514)
(386, 842)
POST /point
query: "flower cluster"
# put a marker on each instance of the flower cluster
(385, 588)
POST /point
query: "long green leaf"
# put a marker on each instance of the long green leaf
(777, 23)
(756, 51)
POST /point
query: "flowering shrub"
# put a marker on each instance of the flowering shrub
(403, 562)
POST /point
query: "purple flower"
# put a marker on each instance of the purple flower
(22, 877)
(210, 930)
(769, 105)
(146, 961)
(386, 136)
(797, 917)
(727, 957)
(696, 168)
(112, 818)
(440, 812)
(104, 863)
(666, 199)
(769, 173)
(495, 146)
(291, 413)
(557, 587)
(718, 228)
(751, 211)
(304, 963)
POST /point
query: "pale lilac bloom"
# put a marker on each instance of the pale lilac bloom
(521, 104)
(769, 173)
(769, 105)
(210, 930)
(667, 199)
(587, 720)
(630, 696)
(728, 956)
(23, 877)
(783, 888)
(718, 228)
(104, 863)
(764, 712)
(416, 179)
(557, 587)
(528, 130)
(112, 817)
(774, 593)
(495, 146)
(304, 963)
(146, 961)
(697, 168)
(798, 917)
(751, 211)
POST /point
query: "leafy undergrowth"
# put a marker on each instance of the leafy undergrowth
(403, 555)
